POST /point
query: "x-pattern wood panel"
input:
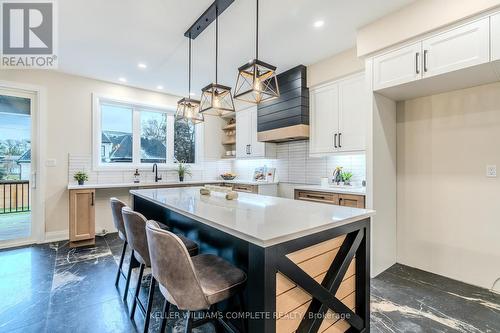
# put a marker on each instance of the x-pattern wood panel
(329, 290)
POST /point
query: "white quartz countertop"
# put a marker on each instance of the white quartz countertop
(259, 219)
(188, 182)
(334, 189)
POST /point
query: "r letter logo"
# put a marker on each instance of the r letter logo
(28, 32)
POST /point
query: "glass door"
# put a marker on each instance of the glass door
(17, 166)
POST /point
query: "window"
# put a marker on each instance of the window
(129, 135)
(116, 133)
(184, 142)
(153, 137)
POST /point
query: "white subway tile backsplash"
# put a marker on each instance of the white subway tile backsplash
(294, 165)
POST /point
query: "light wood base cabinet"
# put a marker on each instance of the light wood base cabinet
(81, 217)
(340, 199)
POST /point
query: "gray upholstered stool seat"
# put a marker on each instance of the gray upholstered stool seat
(219, 279)
(191, 246)
(116, 211)
(135, 228)
(190, 283)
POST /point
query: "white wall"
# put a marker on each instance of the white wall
(334, 67)
(448, 218)
(415, 19)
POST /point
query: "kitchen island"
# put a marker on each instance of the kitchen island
(308, 264)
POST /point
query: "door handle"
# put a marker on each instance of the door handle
(92, 198)
(335, 140)
(425, 61)
(340, 146)
(417, 69)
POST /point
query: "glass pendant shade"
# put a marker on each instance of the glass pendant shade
(216, 99)
(188, 109)
(257, 82)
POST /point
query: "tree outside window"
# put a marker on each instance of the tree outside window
(184, 142)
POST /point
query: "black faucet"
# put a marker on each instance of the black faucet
(155, 170)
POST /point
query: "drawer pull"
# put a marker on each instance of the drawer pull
(312, 196)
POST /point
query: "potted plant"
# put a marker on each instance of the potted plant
(80, 177)
(182, 170)
(346, 177)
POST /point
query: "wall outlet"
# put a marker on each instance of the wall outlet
(491, 171)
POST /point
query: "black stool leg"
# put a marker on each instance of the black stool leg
(242, 309)
(166, 314)
(129, 273)
(187, 329)
(136, 295)
(150, 304)
(121, 264)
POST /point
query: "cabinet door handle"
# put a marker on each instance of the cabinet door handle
(92, 198)
(425, 60)
(417, 69)
(340, 146)
(335, 140)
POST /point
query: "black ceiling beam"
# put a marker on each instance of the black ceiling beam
(207, 18)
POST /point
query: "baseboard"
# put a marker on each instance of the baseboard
(55, 236)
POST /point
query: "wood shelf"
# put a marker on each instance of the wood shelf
(229, 127)
(229, 142)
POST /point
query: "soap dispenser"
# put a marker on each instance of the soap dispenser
(137, 176)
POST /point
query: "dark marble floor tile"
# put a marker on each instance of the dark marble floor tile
(25, 286)
(33, 260)
(107, 316)
(83, 283)
(67, 255)
(415, 302)
(38, 327)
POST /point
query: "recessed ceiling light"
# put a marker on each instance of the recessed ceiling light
(159, 87)
(142, 65)
(319, 23)
(122, 79)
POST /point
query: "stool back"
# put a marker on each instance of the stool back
(172, 267)
(135, 227)
(116, 211)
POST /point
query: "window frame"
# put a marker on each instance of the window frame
(137, 107)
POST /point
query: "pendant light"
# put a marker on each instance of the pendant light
(257, 80)
(187, 107)
(216, 99)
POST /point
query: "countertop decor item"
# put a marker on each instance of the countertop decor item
(337, 175)
(137, 176)
(229, 193)
(257, 80)
(81, 177)
(346, 177)
(183, 169)
(228, 176)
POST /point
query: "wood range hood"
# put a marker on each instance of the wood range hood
(286, 118)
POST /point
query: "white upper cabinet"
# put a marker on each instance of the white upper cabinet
(338, 116)
(243, 120)
(324, 118)
(495, 37)
(397, 67)
(353, 106)
(247, 145)
(458, 48)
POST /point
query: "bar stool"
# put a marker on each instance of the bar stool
(135, 224)
(116, 211)
(197, 283)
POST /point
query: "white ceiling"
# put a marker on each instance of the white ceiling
(107, 39)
